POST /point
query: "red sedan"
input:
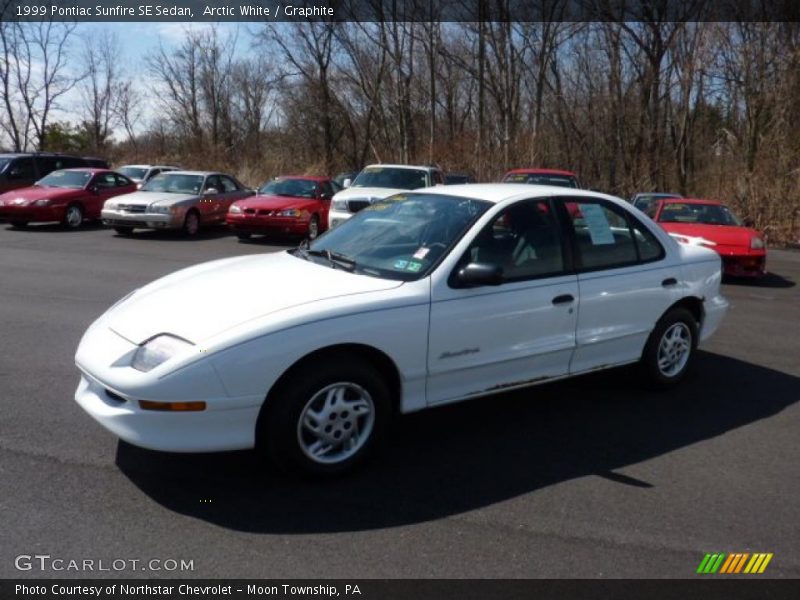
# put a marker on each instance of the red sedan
(68, 196)
(712, 224)
(293, 205)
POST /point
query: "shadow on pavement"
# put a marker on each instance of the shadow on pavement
(770, 280)
(462, 457)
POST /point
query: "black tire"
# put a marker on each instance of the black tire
(19, 224)
(313, 228)
(191, 223)
(279, 432)
(656, 375)
(124, 230)
(73, 217)
(243, 235)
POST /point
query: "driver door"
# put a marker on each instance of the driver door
(493, 337)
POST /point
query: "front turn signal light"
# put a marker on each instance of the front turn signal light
(172, 406)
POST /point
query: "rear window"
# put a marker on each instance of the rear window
(542, 179)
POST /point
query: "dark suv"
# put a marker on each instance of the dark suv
(22, 170)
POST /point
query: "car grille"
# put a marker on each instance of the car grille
(133, 208)
(356, 205)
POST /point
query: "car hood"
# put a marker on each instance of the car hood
(722, 235)
(30, 194)
(148, 198)
(205, 300)
(367, 192)
(277, 202)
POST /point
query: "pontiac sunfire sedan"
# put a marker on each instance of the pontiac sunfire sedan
(421, 299)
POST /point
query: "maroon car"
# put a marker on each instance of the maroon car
(291, 205)
(67, 196)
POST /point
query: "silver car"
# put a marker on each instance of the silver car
(141, 174)
(183, 200)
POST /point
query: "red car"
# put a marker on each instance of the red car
(68, 196)
(712, 224)
(292, 205)
(554, 177)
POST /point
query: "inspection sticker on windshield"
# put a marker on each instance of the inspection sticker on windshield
(596, 222)
(414, 266)
(421, 253)
(400, 264)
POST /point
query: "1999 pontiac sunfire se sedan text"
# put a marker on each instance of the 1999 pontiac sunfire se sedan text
(421, 299)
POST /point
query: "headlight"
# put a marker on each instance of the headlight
(290, 212)
(235, 209)
(110, 205)
(158, 350)
(42, 202)
(340, 205)
(159, 209)
(757, 243)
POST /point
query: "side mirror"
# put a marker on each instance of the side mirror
(478, 274)
(211, 191)
(94, 189)
(346, 183)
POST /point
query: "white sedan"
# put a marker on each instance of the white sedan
(422, 299)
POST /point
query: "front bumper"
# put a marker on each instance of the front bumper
(30, 213)
(119, 218)
(753, 264)
(337, 217)
(110, 391)
(267, 225)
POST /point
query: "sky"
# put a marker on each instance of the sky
(137, 40)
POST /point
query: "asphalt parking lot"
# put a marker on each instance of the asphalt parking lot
(592, 477)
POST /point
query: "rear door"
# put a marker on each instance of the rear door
(625, 279)
(490, 338)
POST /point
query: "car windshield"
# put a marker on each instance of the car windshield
(701, 214)
(174, 184)
(66, 179)
(400, 237)
(541, 179)
(135, 173)
(296, 188)
(388, 177)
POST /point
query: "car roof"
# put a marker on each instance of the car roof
(306, 177)
(93, 170)
(541, 172)
(500, 192)
(418, 167)
(657, 194)
(148, 167)
(691, 201)
(197, 173)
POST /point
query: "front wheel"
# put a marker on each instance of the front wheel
(313, 228)
(73, 217)
(191, 224)
(325, 420)
(670, 348)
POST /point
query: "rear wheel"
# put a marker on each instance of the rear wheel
(73, 217)
(325, 421)
(191, 224)
(670, 348)
(124, 230)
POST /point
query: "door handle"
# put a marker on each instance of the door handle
(563, 299)
(669, 281)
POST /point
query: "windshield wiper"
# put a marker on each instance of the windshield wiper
(334, 258)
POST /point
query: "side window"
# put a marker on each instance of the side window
(152, 173)
(647, 245)
(21, 170)
(122, 180)
(213, 182)
(228, 184)
(523, 239)
(327, 189)
(438, 178)
(105, 181)
(604, 238)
